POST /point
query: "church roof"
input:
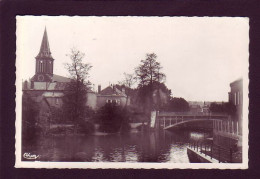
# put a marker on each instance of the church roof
(59, 78)
(45, 47)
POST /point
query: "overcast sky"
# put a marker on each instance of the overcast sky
(199, 55)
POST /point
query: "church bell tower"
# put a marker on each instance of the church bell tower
(44, 62)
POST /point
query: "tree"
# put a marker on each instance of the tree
(227, 108)
(30, 112)
(177, 105)
(128, 81)
(75, 95)
(149, 71)
(111, 118)
(149, 75)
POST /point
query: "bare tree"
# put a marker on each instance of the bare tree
(75, 97)
(128, 81)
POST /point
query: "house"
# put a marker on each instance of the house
(49, 87)
(112, 94)
(236, 97)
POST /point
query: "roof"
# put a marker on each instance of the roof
(111, 90)
(52, 94)
(58, 78)
(240, 80)
(45, 47)
(57, 86)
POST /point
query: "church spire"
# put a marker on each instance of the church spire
(45, 48)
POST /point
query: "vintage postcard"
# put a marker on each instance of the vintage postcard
(132, 92)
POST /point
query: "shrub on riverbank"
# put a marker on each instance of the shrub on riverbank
(112, 118)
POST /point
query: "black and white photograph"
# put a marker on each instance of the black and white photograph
(132, 92)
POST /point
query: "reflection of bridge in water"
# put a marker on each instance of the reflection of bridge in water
(169, 120)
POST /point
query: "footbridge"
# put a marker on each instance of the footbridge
(168, 120)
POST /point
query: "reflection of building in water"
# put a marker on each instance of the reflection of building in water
(229, 133)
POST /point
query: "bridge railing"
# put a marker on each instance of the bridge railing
(224, 155)
(164, 113)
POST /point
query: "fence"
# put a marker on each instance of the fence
(217, 152)
(228, 126)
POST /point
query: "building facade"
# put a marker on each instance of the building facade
(236, 98)
(48, 88)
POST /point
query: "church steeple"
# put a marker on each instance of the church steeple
(45, 47)
(44, 61)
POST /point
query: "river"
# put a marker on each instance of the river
(160, 146)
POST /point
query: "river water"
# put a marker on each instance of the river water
(160, 146)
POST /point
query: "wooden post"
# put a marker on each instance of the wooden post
(237, 127)
(218, 154)
(232, 127)
(164, 122)
(228, 126)
(231, 155)
(211, 151)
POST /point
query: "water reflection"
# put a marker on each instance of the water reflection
(162, 146)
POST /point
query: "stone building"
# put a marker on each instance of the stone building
(228, 133)
(236, 98)
(48, 88)
(112, 94)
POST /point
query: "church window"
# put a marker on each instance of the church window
(235, 98)
(41, 66)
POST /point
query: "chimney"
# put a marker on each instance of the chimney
(114, 88)
(99, 89)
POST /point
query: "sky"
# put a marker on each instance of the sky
(200, 56)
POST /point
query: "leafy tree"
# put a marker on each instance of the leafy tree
(111, 118)
(177, 105)
(30, 111)
(228, 108)
(149, 71)
(148, 74)
(75, 95)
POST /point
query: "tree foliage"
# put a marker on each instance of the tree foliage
(30, 112)
(149, 70)
(177, 105)
(149, 75)
(75, 95)
(111, 118)
(228, 108)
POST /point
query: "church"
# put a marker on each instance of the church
(47, 88)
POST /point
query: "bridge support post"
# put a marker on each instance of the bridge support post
(232, 127)
(228, 127)
(237, 127)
